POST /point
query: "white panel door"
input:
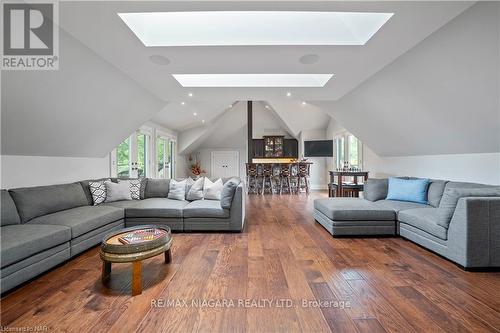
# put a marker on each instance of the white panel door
(225, 164)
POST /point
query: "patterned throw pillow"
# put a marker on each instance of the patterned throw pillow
(135, 187)
(98, 191)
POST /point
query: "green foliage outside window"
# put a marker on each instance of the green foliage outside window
(123, 158)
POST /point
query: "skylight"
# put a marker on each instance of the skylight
(219, 28)
(252, 80)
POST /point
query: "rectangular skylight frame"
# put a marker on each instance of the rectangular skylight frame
(252, 28)
(252, 80)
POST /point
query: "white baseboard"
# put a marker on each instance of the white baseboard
(319, 187)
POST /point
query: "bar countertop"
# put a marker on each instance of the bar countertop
(277, 161)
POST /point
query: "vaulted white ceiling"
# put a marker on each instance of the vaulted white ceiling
(109, 37)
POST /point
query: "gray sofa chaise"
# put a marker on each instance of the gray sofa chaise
(44, 226)
(460, 222)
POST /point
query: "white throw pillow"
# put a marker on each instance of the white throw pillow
(117, 191)
(196, 190)
(212, 190)
(177, 190)
(98, 191)
(135, 187)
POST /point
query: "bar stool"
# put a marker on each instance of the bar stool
(294, 176)
(267, 175)
(303, 177)
(285, 178)
(276, 177)
(252, 178)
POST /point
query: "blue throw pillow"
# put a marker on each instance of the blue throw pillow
(412, 190)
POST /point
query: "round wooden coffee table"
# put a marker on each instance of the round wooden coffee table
(115, 250)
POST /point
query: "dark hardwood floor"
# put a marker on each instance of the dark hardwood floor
(365, 285)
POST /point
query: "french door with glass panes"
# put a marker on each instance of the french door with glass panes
(133, 156)
(165, 152)
(348, 151)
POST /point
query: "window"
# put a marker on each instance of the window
(123, 159)
(348, 151)
(339, 152)
(165, 157)
(146, 153)
(354, 151)
(142, 155)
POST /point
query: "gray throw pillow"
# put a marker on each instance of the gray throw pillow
(451, 196)
(117, 191)
(435, 192)
(195, 191)
(227, 193)
(156, 188)
(375, 189)
(177, 190)
(135, 187)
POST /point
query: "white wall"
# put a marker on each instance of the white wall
(319, 169)
(477, 168)
(25, 171)
(266, 122)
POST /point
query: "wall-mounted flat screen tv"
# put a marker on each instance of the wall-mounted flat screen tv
(318, 148)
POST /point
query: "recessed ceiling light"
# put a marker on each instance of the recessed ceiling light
(190, 94)
(203, 121)
(230, 105)
(288, 94)
(183, 103)
(304, 103)
(309, 59)
(252, 80)
(159, 60)
(267, 106)
(195, 114)
(209, 28)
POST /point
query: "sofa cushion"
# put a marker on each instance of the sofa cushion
(32, 202)
(228, 191)
(156, 207)
(122, 204)
(435, 192)
(397, 206)
(156, 188)
(8, 209)
(452, 195)
(345, 209)
(24, 240)
(412, 190)
(424, 219)
(82, 219)
(205, 208)
(375, 189)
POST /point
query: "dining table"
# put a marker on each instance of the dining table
(340, 175)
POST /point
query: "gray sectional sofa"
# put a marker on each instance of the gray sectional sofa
(42, 227)
(460, 222)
